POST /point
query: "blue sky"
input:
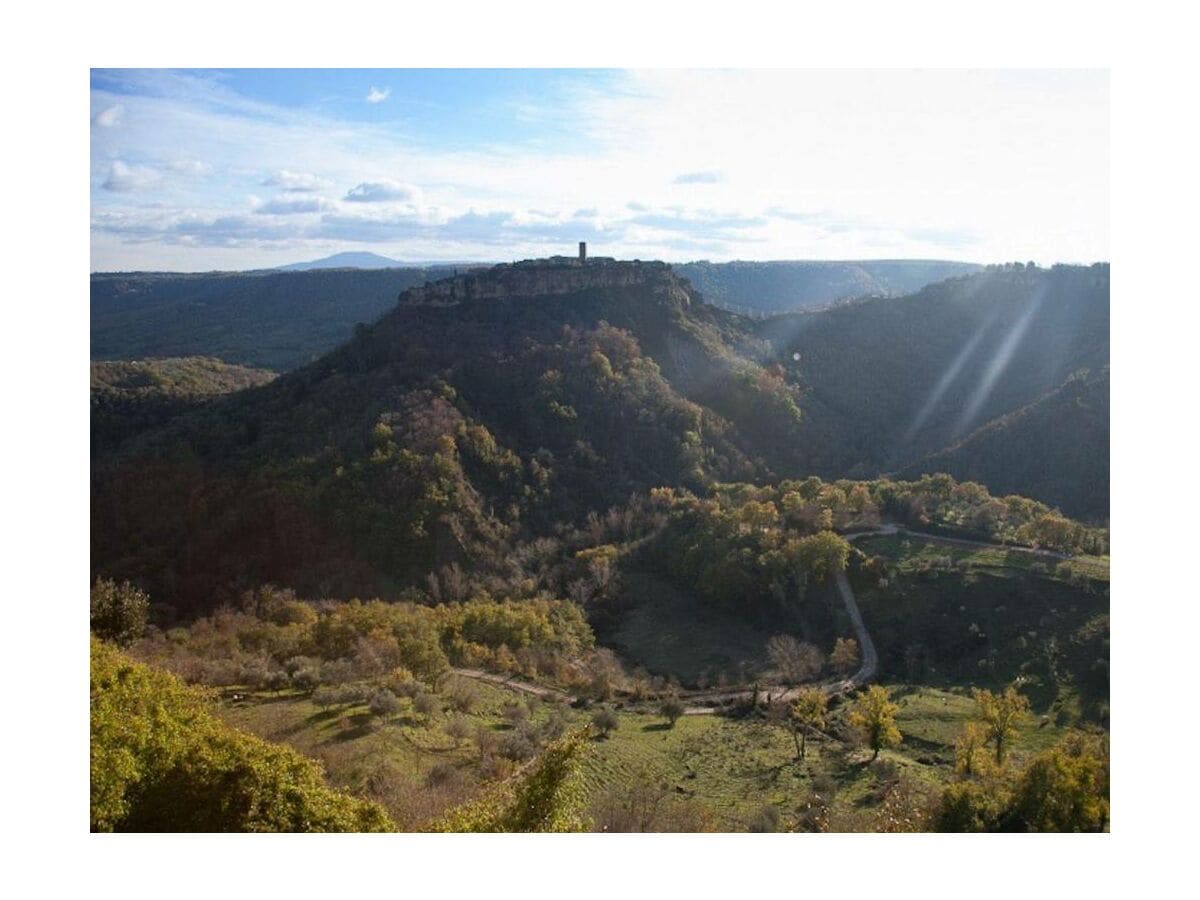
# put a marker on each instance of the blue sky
(201, 169)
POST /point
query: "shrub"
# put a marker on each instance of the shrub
(605, 721)
(384, 703)
(765, 820)
(970, 806)
(517, 746)
(119, 612)
(672, 708)
(443, 773)
(458, 729)
(545, 798)
(515, 713)
(555, 725)
(161, 762)
(426, 704)
(463, 696)
(306, 680)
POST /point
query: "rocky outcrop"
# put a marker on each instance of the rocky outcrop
(546, 278)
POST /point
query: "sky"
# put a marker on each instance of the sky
(241, 169)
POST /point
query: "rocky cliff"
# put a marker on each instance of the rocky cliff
(550, 278)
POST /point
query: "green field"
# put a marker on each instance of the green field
(909, 552)
(669, 633)
(714, 773)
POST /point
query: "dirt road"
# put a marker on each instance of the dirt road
(708, 702)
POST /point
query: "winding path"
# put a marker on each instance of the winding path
(709, 702)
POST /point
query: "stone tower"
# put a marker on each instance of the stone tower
(583, 253)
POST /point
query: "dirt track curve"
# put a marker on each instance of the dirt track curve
(708, 702)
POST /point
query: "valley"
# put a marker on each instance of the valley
(549, 523)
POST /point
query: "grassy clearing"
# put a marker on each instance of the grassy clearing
(983, 622)
(406, 762)
(911, 552)
(730, 768)
(670, 633)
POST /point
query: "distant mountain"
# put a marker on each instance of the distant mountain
(344, 261)
(769, 287)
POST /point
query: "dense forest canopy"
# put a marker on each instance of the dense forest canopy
(268, 319)
(443, 434)
(1064, 438)
(134, 396)
(884, 383)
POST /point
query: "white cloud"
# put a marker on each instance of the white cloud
(193, 167)
(708, 177)
(109, 116)
(382, 191)
(287, 206)
(294, 181)
(961, 165)
(123, 177)
(378, 95)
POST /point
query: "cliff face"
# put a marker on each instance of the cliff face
(550, 278)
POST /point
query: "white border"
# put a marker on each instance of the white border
(48, 52)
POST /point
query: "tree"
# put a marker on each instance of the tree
(120, 612)
(968, 749)
(384, 703)
(795, 661)
(1000, 714)
(307, 678)
(873, 714)
(605, 721)
(824, 553)
(844, 657)
(604, 672)
(971, 806)
(1063, 789)
(672, 708)
(276, 681)
(807, 714)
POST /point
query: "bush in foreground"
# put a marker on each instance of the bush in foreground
(160, 761)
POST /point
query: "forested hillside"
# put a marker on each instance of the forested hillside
(438, 434)
(269, 319)
(508, 404)
(131, 397)
(886, 382)
(773, 287)
(1056, 448)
